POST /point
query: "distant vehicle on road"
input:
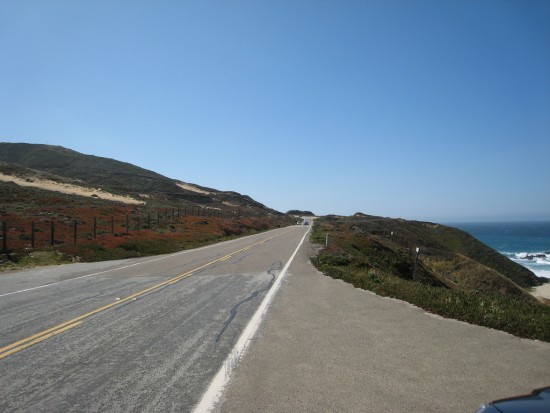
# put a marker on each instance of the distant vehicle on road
(306, 223)
(536, 402)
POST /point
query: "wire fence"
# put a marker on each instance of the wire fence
(25, 234)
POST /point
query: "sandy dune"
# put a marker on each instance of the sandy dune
(68, 188)
(542, 291)
(192, 188)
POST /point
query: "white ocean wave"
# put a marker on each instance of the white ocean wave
(529, 257)
(536, 262)
(542, 273)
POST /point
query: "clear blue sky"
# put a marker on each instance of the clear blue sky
(430, 110)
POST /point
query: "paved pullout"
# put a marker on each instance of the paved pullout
(328, 347)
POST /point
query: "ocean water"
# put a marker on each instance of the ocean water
(527, 243)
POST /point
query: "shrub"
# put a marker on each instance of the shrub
(518, 315)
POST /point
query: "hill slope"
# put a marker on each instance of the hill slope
(379, 254)
(57, 164)
(448, 256)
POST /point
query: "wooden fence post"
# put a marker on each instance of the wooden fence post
(415, 263)
(4, 237)
(75, 224)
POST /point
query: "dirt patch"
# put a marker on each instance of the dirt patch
(69, 189)
(542, 291)
(192, 188)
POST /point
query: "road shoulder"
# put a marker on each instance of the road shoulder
(326, 346)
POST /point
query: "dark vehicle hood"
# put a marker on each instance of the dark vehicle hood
(536, 402)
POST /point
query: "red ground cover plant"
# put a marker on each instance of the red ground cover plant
(91, 232)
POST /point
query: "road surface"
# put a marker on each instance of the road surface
(326, 346)
(134, 335)
(153, 334)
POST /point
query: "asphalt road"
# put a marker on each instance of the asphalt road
(134, 335)
(326, 346)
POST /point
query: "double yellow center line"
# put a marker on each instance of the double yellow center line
(67, 325)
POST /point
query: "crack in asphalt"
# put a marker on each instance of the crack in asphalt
(276, 266)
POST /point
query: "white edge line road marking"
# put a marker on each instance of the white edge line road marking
(126, 266)
(215, 390)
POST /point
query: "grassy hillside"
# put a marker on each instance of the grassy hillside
(109, 230)
(95, 171)
(452, 249)
(61, 216)
(378, 254)
(61, 164)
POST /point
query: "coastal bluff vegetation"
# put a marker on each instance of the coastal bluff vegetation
(441, 269)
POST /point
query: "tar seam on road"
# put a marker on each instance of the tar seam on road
(215, 390)
(43, 335)
(233, 312)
